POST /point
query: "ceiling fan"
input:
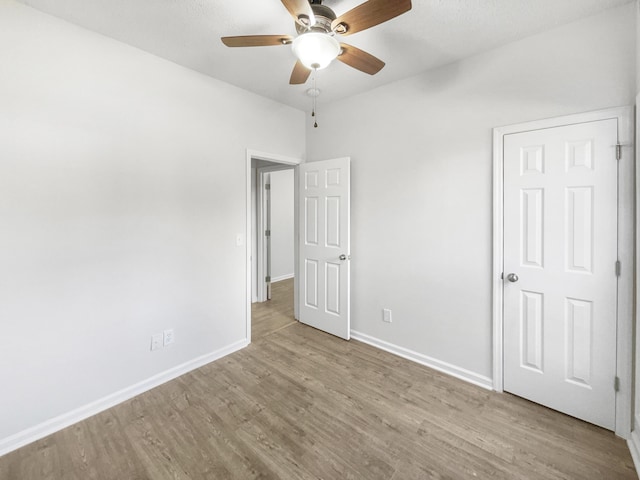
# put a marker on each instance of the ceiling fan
(317, 25)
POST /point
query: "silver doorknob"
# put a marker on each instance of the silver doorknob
(512, 277)
(342, 257)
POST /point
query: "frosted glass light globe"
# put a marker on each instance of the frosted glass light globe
(315, 50)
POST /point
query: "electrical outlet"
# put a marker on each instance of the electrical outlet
(386, 315)
(156, 341)
(168, 337)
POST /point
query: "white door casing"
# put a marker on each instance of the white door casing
(560, 339)
(324, 246)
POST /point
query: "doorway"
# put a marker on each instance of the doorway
(563, 264)
(271, 256)
(322, 240)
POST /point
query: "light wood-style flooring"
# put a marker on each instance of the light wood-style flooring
(270, 317)
(301, 404)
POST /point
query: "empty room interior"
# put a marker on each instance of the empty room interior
(303, 239)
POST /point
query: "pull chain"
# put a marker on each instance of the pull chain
(315, 96)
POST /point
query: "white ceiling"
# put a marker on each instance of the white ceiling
(433, 33)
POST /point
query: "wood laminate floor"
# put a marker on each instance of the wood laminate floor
(300, 404)
(269, 317)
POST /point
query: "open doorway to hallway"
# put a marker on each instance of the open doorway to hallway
(273, 240)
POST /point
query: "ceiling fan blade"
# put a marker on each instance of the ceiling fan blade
(257, 40)
(360, 60)
(300, 74)
(369, 14)
(301, 11)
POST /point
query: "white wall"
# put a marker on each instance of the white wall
(122, 188)
(421, 153)
(282, 233)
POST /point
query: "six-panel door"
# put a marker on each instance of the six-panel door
(560, 240)
(324, 245)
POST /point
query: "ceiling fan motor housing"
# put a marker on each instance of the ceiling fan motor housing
(324, 16)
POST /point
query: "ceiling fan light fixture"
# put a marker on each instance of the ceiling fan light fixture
(316, 50)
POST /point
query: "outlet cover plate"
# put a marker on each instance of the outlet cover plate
(156, 341)
(168, 337)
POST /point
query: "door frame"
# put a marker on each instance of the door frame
(287, 162)
(626, 255)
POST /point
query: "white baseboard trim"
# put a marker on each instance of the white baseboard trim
(282, 277)
(66, 419)
(634, 446)
(444, 367)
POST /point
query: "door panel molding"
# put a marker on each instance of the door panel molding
(324, 247)
(624, 342)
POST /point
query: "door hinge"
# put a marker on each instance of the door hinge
(616, 384)
(267, 279)
(618, 151)
(267, 186)
(267, 233)
(618, 268)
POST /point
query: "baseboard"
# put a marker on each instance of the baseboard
(444, 367)
(282, 277)
(634, 446)
(62, 421)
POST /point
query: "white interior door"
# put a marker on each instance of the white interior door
(324, 247)
(560, 253)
